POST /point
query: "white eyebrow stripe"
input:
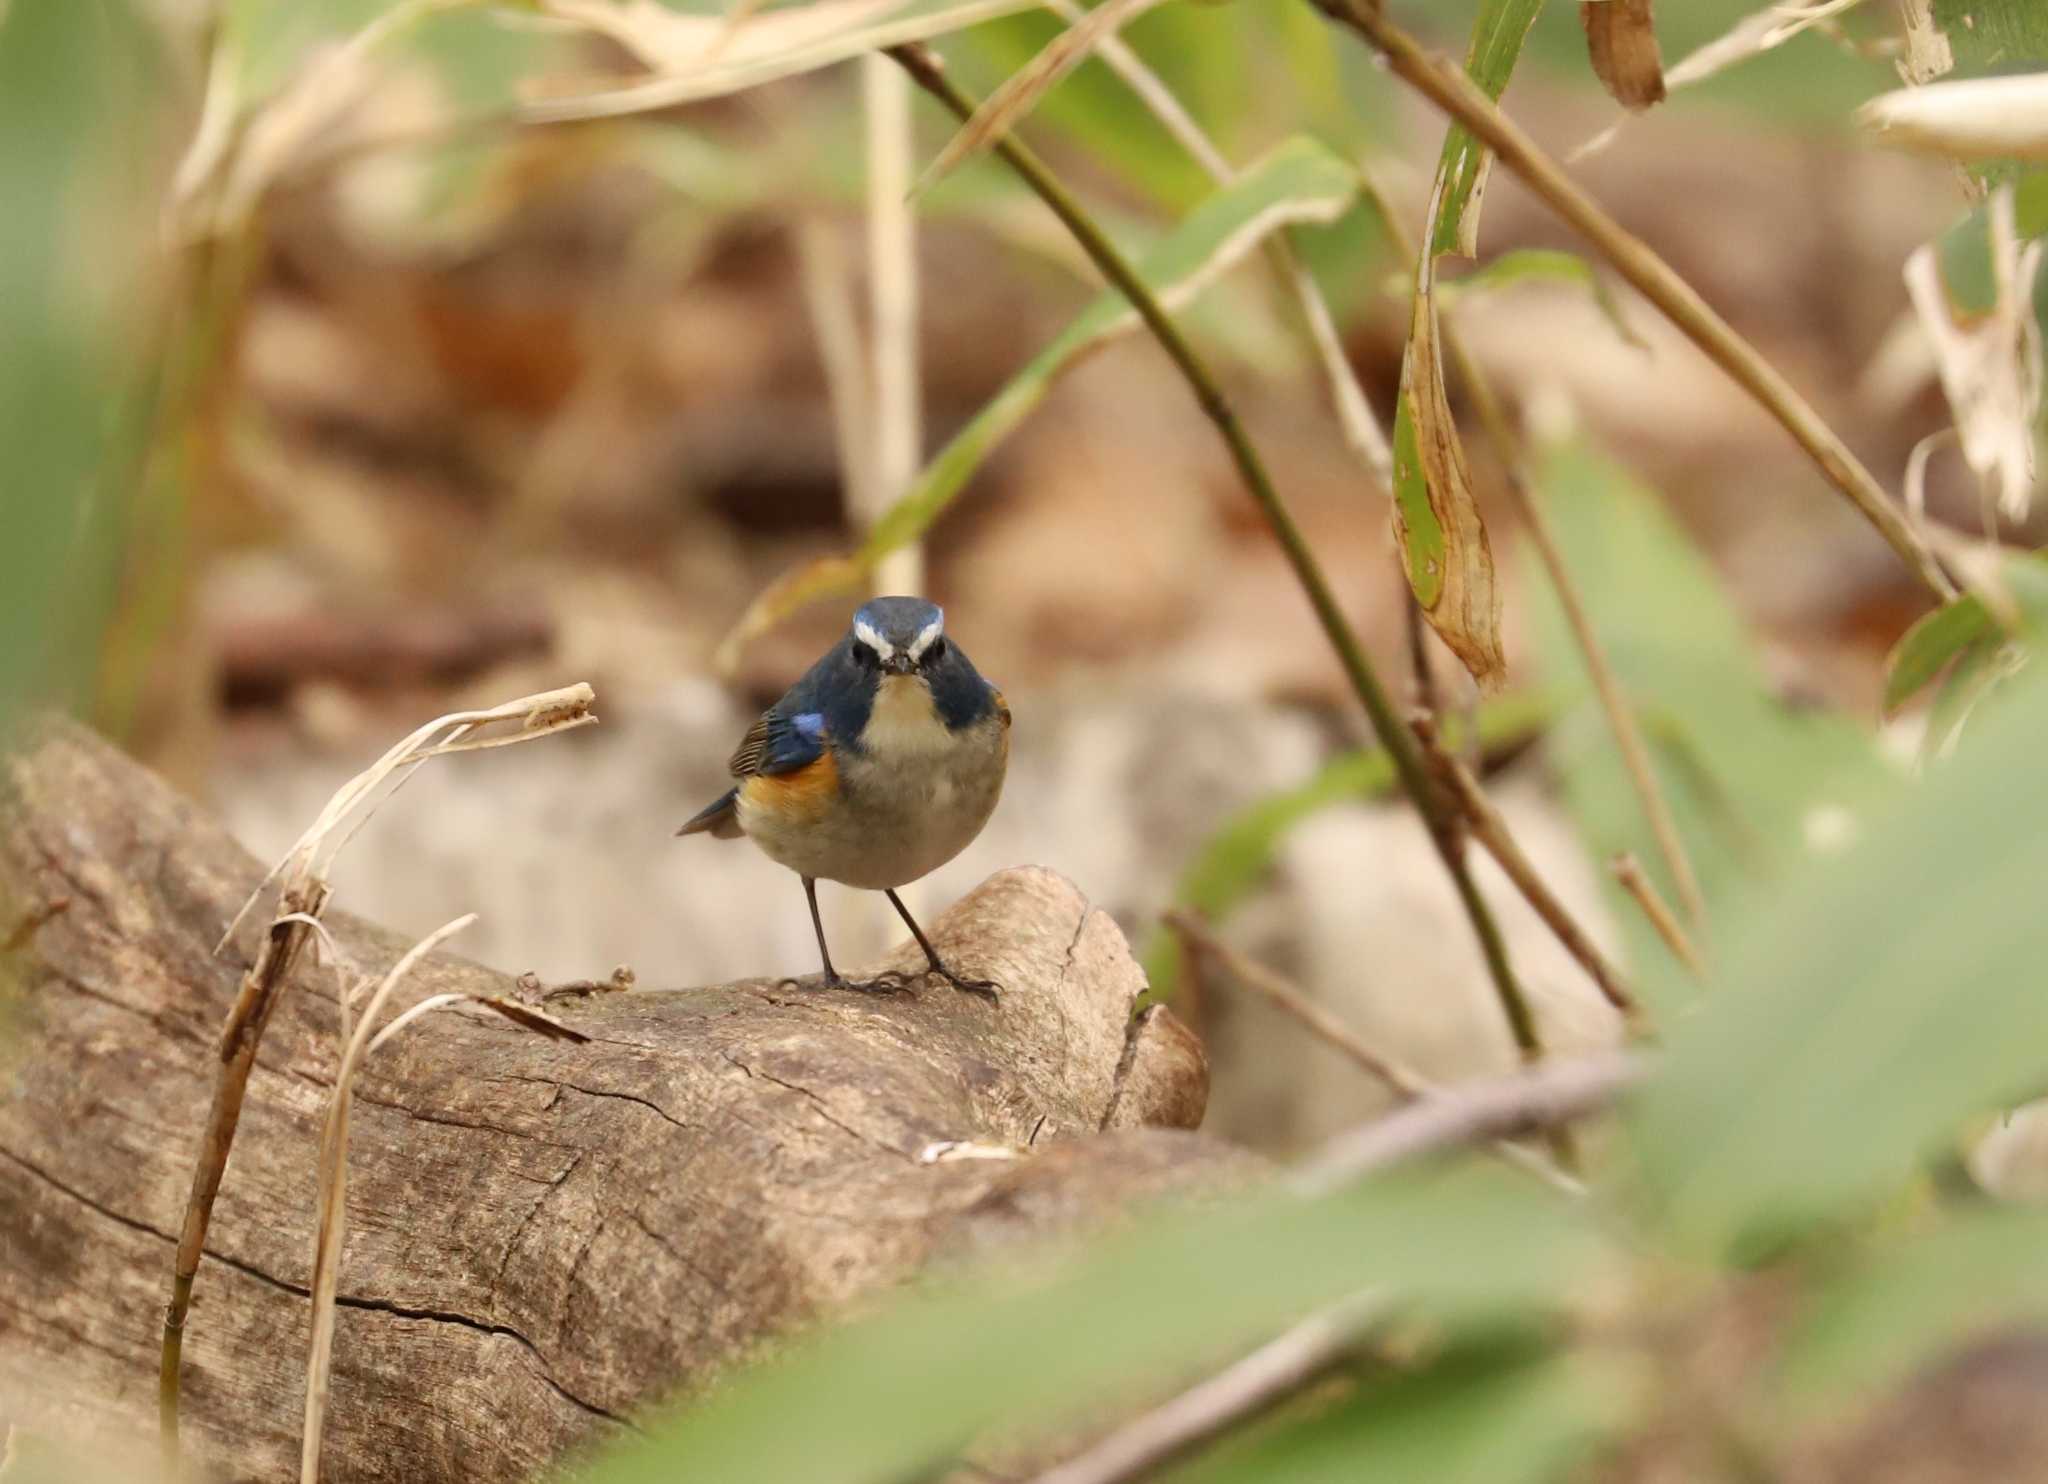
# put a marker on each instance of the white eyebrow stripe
(925, 636)
(865, 632)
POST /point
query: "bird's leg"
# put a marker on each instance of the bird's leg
(984, 987)
(881, 984)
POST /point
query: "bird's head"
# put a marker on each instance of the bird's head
(900, 636)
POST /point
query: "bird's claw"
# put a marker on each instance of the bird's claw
(988, 989)
(892, 981)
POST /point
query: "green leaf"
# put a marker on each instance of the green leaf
(1929, 645)
(882, 1398)
(1497, 36)
(1234, 860)
(1742, 772)
(1868, 1327)
(1865, 1006)
(1537, 264)
(1497, 1415)
(1300, 181)
(1940, 636)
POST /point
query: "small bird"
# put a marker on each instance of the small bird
(876, 768)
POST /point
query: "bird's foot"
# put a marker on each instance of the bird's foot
(988, 989)
(889, 983)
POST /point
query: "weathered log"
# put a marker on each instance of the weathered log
(543, 1235)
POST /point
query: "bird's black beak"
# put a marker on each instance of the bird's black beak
(899, 663)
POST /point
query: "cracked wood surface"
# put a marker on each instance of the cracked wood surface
(543, 1236)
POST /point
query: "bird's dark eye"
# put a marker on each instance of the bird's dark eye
(866, 656)
(936, 653)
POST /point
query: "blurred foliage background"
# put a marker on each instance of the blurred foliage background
(355, 367)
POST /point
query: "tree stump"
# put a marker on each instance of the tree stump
(543, 1236)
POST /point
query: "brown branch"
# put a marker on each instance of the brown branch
(1546, 1097)
(1270, 1374)
(1491, 830)
(1629, 872)
(1446, 85)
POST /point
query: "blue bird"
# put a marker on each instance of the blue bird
(876, 768)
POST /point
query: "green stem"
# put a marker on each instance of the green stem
(925, 69)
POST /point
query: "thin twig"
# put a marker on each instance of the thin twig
(1491, 830)
(1629, 872)
(924, 68)
(1197, 942)
(1270, 1374)
(1446, 85)
(1254, 975)
(1545, 1097)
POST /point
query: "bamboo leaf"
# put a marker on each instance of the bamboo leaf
(1299, 181)
(1444, 547)
(1497, 37)
(1929, 645)
(1939, 637)
(1028, 1351)
(1621, 42)
(1867, 1006)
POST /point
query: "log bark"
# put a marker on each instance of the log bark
(543, 1236)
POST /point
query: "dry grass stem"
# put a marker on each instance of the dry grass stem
(1544, 1097)
(1629, 872)
(1491, 830)
(1006, 107)
(333, 1199)
(1269, 1375)
(302, 897)
(1446, 85)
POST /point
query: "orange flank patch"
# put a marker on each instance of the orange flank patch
(801, 797)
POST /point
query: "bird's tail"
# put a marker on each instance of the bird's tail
(718, 819)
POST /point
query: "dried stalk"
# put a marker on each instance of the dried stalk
(892, 288)
(1491, 830)
(333, 1208)
(1546, 1097)
(1629, 872)
(239, 1040)
(925, 69)
(1270, 1374)
(301, 899)
(1446, 85)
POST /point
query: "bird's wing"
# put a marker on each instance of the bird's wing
(780, 742)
